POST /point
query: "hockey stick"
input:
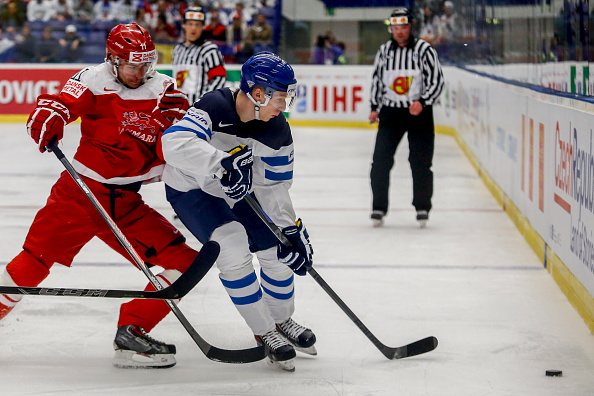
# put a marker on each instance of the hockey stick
(211, 352)
(178, 289)
(415, 348)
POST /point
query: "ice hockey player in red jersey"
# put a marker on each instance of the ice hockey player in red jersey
(124, 106)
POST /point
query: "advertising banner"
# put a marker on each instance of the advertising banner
(20, 87)
(539, 149)
(324, 93)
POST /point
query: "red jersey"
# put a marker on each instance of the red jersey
(118, 143)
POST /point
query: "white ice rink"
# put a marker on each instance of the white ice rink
(469, 279)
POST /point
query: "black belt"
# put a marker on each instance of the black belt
(134, 187)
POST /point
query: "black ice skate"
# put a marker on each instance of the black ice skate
(136, 349)
(280, 352)
(377, 217)
(302, 338)
(422, 217)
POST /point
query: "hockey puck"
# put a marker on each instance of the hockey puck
(554, 373)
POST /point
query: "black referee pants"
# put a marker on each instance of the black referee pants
(393, 124)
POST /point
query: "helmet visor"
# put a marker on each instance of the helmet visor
(144, 59)
(284, 101)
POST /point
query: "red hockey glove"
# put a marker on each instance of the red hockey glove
(47, 120)
(171, 108)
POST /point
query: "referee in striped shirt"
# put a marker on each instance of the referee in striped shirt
(407, 80)
(197, 64)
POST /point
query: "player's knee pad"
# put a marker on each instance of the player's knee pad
(269, 262)
(175, 256)
(235, 253)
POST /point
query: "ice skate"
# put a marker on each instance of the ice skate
(302, 338)
(136, 349)
(280, 352)
(422, 217)
(377, 218)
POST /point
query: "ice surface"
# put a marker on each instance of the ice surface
(469, 279)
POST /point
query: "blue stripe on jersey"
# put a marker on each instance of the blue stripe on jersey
(200, 134)
(206, 130)
(277, 161)
(279, 296)
(278, 175)
(277, 283)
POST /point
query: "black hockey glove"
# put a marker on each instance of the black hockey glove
(299, 256)
(237, 179)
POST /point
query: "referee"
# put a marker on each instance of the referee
(407, 80)
(197, 64)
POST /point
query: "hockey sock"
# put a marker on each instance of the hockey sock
(23, 270)
(27, 270)
(148, 313)
(244, 290)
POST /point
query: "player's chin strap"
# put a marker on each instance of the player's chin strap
(257, 104)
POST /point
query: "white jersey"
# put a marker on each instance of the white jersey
(194, 147)
(198, 68)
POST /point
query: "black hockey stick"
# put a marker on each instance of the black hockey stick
(415, 348)
(213, 353)
(178, 289)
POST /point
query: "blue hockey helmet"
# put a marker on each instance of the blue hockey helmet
(270, 71)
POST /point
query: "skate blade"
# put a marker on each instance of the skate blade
(286, 365)
(133, 360)
(309, 350)
(422, 223)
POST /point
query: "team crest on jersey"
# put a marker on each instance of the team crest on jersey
(180, 77)
(401, 85)
(138, 125)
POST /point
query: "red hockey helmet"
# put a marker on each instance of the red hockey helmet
(131, 43)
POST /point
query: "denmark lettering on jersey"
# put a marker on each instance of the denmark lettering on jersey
(139, 126)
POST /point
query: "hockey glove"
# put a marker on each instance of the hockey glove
(299, 256)
(47, 120)
(237, 179)
(171, 107)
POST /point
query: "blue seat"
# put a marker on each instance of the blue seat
(93, 53)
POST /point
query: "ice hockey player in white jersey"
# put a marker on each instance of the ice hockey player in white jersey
(230, 143)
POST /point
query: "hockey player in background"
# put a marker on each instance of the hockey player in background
(231, 142)
(407, 80)
(124, 106)
(197, 63)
